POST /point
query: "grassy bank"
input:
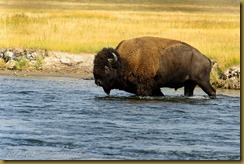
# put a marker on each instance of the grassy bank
(85, 26)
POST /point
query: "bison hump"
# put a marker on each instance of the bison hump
(140, 62)
(141, 56)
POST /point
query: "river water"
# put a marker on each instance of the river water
(66, 119)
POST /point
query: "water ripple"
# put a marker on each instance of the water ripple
(45, 118)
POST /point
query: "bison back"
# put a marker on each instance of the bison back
(141, 56)
(181, 63)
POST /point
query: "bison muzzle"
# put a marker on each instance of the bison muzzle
(144, 65)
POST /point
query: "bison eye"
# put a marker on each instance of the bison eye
(98, 82)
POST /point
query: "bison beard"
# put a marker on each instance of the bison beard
(107, 90)
(144, 65)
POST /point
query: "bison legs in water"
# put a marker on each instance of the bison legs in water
(207, 87)
(189, 88)
(157, 92)
(204, 84)
(203, 81)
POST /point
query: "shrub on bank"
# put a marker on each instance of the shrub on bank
(21, 64)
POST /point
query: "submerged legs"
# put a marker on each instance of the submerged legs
(157, 92)
(189, 88)
(208, 88)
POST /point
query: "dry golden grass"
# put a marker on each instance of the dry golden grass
(82, 27)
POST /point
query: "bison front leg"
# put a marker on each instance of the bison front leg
(143, 91)
(146, 90)
(189, 88)
(157, 92)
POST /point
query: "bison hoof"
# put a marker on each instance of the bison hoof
(213, 97)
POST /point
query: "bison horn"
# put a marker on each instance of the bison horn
(115, 57)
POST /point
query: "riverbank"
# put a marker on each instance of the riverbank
(42, 63)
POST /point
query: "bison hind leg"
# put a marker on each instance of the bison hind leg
(189, 88)
(208, 88)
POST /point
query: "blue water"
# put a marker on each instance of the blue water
(66, 119)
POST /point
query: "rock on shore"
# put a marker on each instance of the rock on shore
(46, 63)
(31, 62)
(230, 79)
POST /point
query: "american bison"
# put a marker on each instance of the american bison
(144, 65)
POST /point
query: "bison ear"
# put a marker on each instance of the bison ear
(107, 70)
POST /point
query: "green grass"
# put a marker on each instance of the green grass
(21, 64)
(2, 64)
(86, 26)
(39, 62)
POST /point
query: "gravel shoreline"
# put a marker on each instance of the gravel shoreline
(53, 64)
(42, 63)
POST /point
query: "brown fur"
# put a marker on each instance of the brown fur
(146, 64)
(141, 59)
(142, 55)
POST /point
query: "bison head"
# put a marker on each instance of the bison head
(105, 67)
